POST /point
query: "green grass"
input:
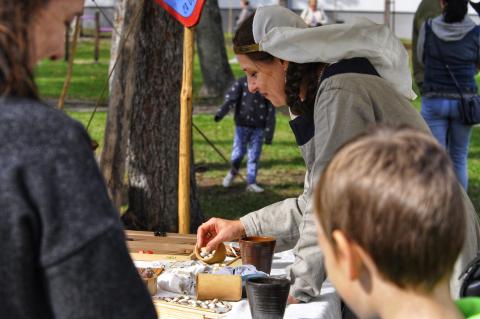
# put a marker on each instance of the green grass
(89, 77)
(281, 172)
(97, 127)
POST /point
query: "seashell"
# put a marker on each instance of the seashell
(221, 309)
(213, 257)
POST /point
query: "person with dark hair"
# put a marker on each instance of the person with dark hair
(254, 122)
(378, 245)
(63, 247)
(336, 81)
(451, 40)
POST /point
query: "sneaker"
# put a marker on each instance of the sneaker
(228, 180)
(254, 188)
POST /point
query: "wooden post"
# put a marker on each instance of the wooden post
(185, 134)
(97, 37)
(68, 78)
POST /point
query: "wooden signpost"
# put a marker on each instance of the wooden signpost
(188, 13)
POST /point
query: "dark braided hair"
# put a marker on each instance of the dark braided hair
(455, 10)
(16, 76)
(297, 75)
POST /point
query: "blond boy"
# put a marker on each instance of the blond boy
(391, 225)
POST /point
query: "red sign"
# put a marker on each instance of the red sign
(187, 12)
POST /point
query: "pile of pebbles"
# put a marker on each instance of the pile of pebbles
(205, 254)
(216, 305)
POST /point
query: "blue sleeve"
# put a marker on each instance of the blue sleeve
(232, 98)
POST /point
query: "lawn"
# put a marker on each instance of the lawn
(89, 77)
(281, 172)
(282, 168)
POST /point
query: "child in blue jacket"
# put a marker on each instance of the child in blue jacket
(254, 123)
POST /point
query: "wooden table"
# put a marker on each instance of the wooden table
(169, 247)
(170, 244)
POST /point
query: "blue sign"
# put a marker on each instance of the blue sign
(186, 12)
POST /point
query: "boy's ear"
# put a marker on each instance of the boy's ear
(347, 255)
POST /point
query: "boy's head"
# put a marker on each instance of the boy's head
(390, 210)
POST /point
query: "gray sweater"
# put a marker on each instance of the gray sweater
(62, 246)
(346, 105)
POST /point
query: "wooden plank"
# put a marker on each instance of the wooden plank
(159, 248)
(151, 233)
(155, 257)
(172, 244)
(170, 238)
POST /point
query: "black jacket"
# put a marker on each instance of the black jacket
(251, 110)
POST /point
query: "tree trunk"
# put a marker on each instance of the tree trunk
(154, 126)
(283, 3)
(118, 24)
(113, 159)
(217, 75)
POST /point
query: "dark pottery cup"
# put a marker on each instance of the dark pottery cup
(258, 251)
(267, 297)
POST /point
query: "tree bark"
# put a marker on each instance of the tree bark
(118, 24)
(113, 159)
(216, 71)
(154, 126)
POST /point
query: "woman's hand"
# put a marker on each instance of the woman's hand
(217, 230)
(292, 300)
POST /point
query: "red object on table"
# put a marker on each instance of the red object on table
(145, 252)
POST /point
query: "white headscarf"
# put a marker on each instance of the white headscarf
(283, 34)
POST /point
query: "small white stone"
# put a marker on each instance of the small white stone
(221, 309)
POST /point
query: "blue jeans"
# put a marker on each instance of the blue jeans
(442, 116)
(251, 139)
